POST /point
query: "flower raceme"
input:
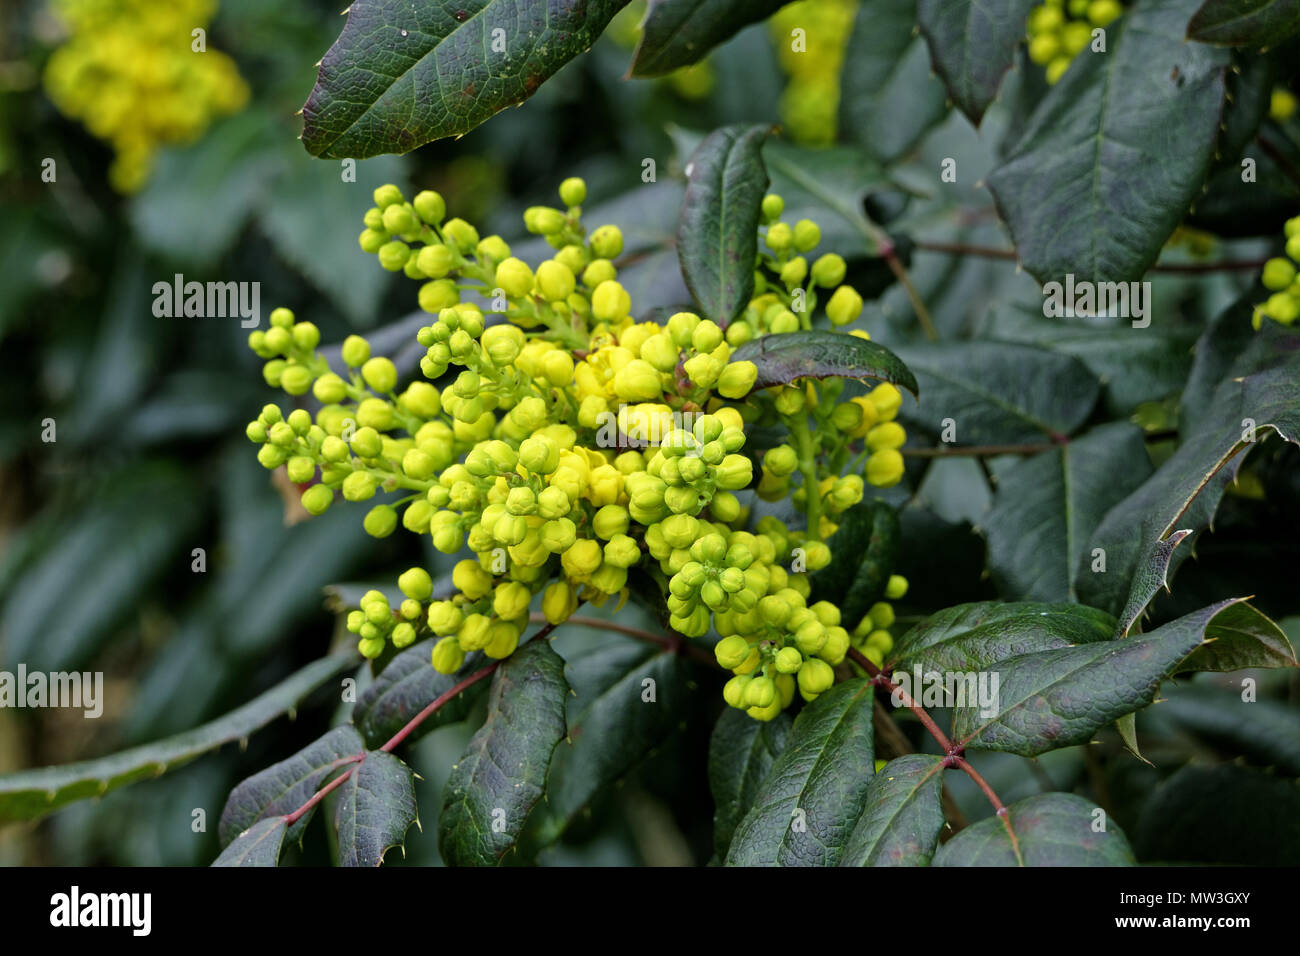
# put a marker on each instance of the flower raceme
(567, 445)
(1280, 278)
(1059, 30)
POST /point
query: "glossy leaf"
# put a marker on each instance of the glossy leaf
(999, 393)
(903, 816)
(1117, 151)
(806, 809)
(1047, 506)
(30, 794)
(972, 637)
(677, 33)
(408, 685)
(1262, 23)
(741, 753)
(259, 845)
(613, 726)
(972, 45)
(373, 809)
(717, 236)
(888, 97)
(864, 549)
(402, 74)
(787, 356)
(502, 773)
(1184, 492)
(1057, 698)
(283, 787)
(1051, 829)
(1240, 637)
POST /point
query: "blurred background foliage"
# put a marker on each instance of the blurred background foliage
(98, 528)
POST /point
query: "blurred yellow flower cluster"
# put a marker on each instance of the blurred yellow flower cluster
(135, 74)
(813, 58)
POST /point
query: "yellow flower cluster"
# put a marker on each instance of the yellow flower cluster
(1280, 277)
(813, 58)
(128, 71)
(1060, 30)
(570, 446)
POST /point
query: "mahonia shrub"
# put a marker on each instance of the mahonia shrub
(575, 445)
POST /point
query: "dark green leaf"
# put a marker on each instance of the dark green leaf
(741, 752)
(903, 816)
(864, 549)
(114, 552)
(787, 356)
(889, 98)
(30, 794)
(613, 726)
(717, 237)
(1184, 492)
(1057, 698)
(971, 637)
(1116, 152)
(374, 808)
(1241, 637)
(259, 845)
(1149, 578)
(1265, 731)
(1134, 365)
(677, 33)
(807, 807)
(402, 74)
(1245, 22)
(999, 393)
(502, 773)
(1051, 829)
(1047, 506)
(284, 787)
(972, 44)
(408, 685)
(1221, 815)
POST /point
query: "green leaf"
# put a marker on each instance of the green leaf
(972, 637)
(829, 186)
(1240, 637)
(1116, 153)
(999, 393)
(502, 773)
(1225, 815)
(1184, 492)
(972, 45)
(787, 356)
(1052, 829)
(1265, 731)
(613, 726)
(1134, 365)
(1150, 577)
(30, 794)
(259, 845)
(1052, 699)
(402, 74)
(1261, 23)
(677, 33)
(306, 225)
(741, 752)
(282, 788)
(805, 810)
(888, 97)
(903, 816)
(864, 550)
(115, 552)
(374, 809)
(1047, 506)
(407, 686)
(717, 236)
